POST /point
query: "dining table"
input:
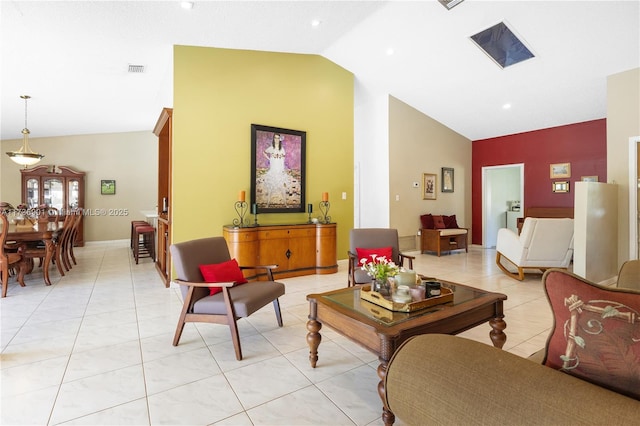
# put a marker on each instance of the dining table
(39, 231)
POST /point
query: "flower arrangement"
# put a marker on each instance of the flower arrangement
(379, 268)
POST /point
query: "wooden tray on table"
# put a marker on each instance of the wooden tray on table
(376, 298)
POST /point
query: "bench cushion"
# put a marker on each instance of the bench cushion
(447, 232)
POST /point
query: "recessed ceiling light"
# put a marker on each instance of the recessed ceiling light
(316, 23)
(390, 51)
(186, 5)
(506, 106)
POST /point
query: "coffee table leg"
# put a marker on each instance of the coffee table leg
(387, 416)
(497, 335)
(313, 336)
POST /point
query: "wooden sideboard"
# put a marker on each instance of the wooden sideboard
(303, 249)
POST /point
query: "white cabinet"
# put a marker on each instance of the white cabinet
(512, 220)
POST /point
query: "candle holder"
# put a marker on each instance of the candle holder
(241, 210)
(324, 210)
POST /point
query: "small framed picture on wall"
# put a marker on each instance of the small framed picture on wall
(447, 179)
(429, 186)
(108, 187)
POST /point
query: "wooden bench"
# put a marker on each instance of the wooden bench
(439, 240)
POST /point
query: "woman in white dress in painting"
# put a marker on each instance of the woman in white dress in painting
(276, 176)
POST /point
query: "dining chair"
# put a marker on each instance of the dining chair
(373, 238)
(73, 236)
(61, 255)
(232, 298)
(38, 250)
(9, 260)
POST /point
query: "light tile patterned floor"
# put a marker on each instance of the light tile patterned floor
(95, 349)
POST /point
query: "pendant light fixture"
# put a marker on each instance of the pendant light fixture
(25, 156)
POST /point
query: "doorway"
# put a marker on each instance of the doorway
(501, 186)
(634, 197)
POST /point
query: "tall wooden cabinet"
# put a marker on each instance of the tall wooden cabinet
(164, 131)
(56, 186)
(297, 249)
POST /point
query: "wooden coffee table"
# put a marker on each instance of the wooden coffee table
(382, 331)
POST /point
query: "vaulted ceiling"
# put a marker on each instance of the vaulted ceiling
(72, 57)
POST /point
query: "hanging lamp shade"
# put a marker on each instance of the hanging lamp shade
(25, 156)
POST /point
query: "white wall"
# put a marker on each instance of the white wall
(371, 155)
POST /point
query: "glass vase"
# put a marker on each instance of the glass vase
(382, 286)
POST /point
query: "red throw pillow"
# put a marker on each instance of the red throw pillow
(224, 272)
(450, 222)
(438, 222)
(366, 253)
(426, 220)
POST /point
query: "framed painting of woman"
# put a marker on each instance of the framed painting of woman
(277, 169)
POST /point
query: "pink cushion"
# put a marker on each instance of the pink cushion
(606, 326)
(224, 272)
(367, 253)
(438, 222)
(426, 220)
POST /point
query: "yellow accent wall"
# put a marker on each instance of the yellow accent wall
(218, 94)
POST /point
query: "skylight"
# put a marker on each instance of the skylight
(502, 45)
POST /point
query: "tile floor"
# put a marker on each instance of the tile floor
(95, 349)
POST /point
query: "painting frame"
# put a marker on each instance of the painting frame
(429, 186)
(589, 178)
(560, 186)
(278, 169)
(108, 187)
(447, 179)
(560, 170)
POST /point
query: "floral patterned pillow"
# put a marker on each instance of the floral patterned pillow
(596, 332)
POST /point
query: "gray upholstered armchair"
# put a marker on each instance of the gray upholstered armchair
(233, 302)
(372, 238)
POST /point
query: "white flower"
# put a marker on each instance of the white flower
(379, 268)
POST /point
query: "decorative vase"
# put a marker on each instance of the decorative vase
(382, 286)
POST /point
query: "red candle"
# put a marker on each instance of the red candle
(325, 196)
(241, 196)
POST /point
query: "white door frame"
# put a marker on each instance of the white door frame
(485, 190)
(633, 197)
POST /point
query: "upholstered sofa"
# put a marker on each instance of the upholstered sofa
(590, 371)
(441, 233)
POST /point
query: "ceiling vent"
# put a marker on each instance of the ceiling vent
(502, 45)
(136, 69)
(450, 4)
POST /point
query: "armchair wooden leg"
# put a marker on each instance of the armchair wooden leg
(183, 316)
(517, 276)
(276, 306)
(233, 325)
(179, 328)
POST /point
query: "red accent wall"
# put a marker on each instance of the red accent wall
(584, 145)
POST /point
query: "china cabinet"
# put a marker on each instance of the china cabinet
(56, 186)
